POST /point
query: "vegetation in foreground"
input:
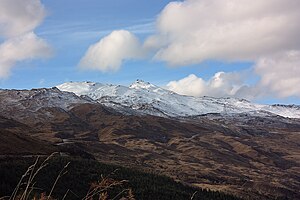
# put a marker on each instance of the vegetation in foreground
(75, 178)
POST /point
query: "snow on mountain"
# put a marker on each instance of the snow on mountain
(34, 99)
(146, 98)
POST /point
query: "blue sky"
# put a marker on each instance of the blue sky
(70, 27)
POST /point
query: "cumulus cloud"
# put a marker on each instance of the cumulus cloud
(109, 53)
(193, 31)
(279, 77)
(280, 73)
(220, 85)
(263, 32)
(18, 19)
(20, 16)
(17, 49)
(196, 30)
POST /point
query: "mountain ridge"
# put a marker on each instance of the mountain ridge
(146, 98)
(253, 154)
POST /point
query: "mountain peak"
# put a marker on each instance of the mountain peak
(140, 84)
(146, 98)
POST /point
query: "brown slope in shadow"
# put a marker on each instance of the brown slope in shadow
(16, 139)
(252, 157)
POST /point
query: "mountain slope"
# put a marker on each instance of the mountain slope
(144, 98)
(36, 103)
(248, 156)
(251, 154)
(16, 139)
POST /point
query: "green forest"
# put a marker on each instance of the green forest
(81, 175)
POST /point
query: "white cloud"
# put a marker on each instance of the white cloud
(280, 73)
(220, 85)
(190, 85)
(20, 16)
(279, 77)
(196, 30)
(109, 53)
(18, 19)
(263, 32)
(192, 31)
(21, 48)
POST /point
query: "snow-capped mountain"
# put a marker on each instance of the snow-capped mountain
(24, 104)
(108, 123)
(146, 98)
(34, 99)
